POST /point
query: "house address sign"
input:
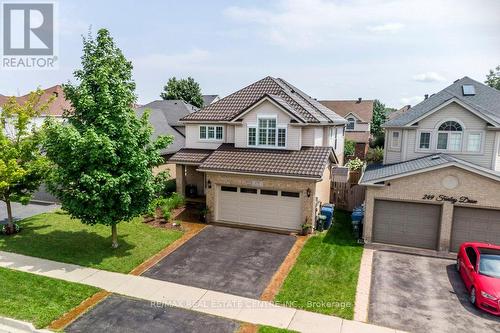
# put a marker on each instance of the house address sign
(442, 197)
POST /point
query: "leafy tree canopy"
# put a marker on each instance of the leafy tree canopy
(493, 78)
(379, 117)
(104, 155)
(22, 166)
(187, 90)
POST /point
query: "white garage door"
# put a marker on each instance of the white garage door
(257, 207)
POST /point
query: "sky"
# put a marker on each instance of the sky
(395, 51)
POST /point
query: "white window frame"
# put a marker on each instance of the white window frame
(332, 135)
(431, 136)
(449, 133)
(353, 124)
(481, 144)
(207, 130)
(257, 130)
(392, 140)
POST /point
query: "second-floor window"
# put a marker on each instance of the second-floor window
(267, 133)
(350, 124)
(396, 140)
(211, 132)
(425, 141)
(449, 136)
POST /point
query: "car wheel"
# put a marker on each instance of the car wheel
(472, 296)
(458, 265)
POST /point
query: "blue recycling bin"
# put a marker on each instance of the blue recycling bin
(356, 218)
(327, 211)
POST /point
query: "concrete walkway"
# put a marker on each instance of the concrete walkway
(164, 293)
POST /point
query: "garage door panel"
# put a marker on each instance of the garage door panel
(264, 210)
(406, 223)
(475, 225)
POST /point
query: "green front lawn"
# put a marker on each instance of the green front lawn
(57, 237)
(38, 299)
(270, 329)
(325, 275)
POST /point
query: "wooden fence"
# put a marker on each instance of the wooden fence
(347, 195)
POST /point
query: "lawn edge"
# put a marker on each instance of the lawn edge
(286, 266)
(74, 313)
(193, 230)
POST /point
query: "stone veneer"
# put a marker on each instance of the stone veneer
(412, 188)
(266, 182)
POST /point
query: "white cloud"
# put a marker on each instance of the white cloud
(428, 77)
(411, 100)
(387, 27)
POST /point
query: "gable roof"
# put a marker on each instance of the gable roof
(486, 102)
(363, 110)
(301, 105)
(56, 108)
(209, 99)
(375, 173)
(399, 112)
(309, 162)
(164, 117)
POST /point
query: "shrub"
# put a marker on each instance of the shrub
(166, 215)
(355, 164)
(349, 148)
(164, 186)
(378, 141)
(375, 155)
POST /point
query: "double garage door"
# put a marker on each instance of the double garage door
(272, 209)
(418, 225)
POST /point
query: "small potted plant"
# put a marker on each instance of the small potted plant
(204, 214)
(306, 228)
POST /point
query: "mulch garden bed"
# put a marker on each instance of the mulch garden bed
(185, 213)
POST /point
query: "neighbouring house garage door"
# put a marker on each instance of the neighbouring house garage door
(406, 223)
(474, 224)
(263, 208)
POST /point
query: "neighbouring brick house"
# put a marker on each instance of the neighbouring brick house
(359, 114)
(262, 156)
(439, 184)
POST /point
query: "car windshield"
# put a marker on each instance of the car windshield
(489, 264)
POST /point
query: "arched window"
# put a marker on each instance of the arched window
(350, 123)
(450, 126)
(450, 136)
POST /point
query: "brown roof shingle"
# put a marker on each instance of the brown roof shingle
(363, 137)
(363, 109)
(56, 108)
(189, 155)
(304, 107)
(309, 162)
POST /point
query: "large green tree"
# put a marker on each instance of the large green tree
(379, 117)
(187, 90)
(22, 166)
(493, 78)
(104, 155)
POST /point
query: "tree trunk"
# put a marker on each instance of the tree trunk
(114, 237)
(10, 219)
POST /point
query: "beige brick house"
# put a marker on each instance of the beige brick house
(439, 184)
(261, 157)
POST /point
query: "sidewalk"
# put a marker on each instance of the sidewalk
(196, 299)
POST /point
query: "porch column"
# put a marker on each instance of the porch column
(445, 230)
(180, 179)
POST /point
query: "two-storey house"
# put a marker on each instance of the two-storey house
(262, 156)
(439, 184)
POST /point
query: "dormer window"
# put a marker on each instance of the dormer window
(350, 124)
(449, 136)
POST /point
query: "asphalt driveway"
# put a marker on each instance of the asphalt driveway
(230, 260)
(23, 211)
(423, 294)
(122, 314)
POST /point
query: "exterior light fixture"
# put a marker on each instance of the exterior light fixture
(209, 183)
(308, 192)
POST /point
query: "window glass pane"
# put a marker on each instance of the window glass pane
(271, 139)
(262, 136)
(211, 132)
(474, 142)
(442, 141)
(262, 122)
(450, 126)
(252, 136)
(218, 134)
(290, 194)
(350, 123)
(425, 140)
(271, 123)
(395, 139)
(203, 132)
(455, 141)
(281, 137)
(229, 189)
(248, 190)
(268, 192)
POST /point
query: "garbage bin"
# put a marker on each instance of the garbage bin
(327, 210)
(320, 222)
(356, 218)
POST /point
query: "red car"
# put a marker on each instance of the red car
(479, 267)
